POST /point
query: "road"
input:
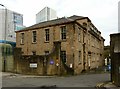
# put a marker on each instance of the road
(86, 80)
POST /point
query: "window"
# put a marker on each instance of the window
(47, 34)
(63, 32)
(22, 38)
(85, 24)
(34, 52)
(46, 52)
(63, 56)
(34, 37)
(79, 33)
(79, 55)
(79, 37)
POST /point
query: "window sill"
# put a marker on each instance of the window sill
(21, 43)
(34, 42)
(46, 42)
(63, 40)
(79, 63)
(93, 61)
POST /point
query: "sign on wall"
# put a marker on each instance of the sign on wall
(51, 62)
(33, 65)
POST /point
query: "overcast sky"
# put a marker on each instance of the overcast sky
(103, 13)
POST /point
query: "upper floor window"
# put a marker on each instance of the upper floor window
(79, 30)
(85, 24)
(63, 32)
(34, 35)
(79, 37)
(47, 34)
(22, 38)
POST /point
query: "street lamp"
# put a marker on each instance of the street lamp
(5, 35)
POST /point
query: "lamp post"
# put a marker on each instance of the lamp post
(5, 28)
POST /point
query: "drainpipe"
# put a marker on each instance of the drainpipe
(83, 51)
(73, 46)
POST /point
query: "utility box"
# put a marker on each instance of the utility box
(115, 58)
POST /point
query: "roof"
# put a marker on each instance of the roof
(115, 34)
(58, 21)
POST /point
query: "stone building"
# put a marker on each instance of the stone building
(61, 46)
(115, 58)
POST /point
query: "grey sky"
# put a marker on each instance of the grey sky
(103, 13)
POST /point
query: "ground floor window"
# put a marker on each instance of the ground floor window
(46, 52)
(63, 56)
(33, 52)
(79, 57)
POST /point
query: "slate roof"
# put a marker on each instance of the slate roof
(54, 22)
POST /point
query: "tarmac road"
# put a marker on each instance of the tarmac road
(86, 80)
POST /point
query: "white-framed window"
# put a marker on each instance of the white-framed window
(63, 32)
(22, 38)
(34, 36)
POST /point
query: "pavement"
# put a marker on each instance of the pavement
(110, 85)
(107, 85)
(9, 74)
